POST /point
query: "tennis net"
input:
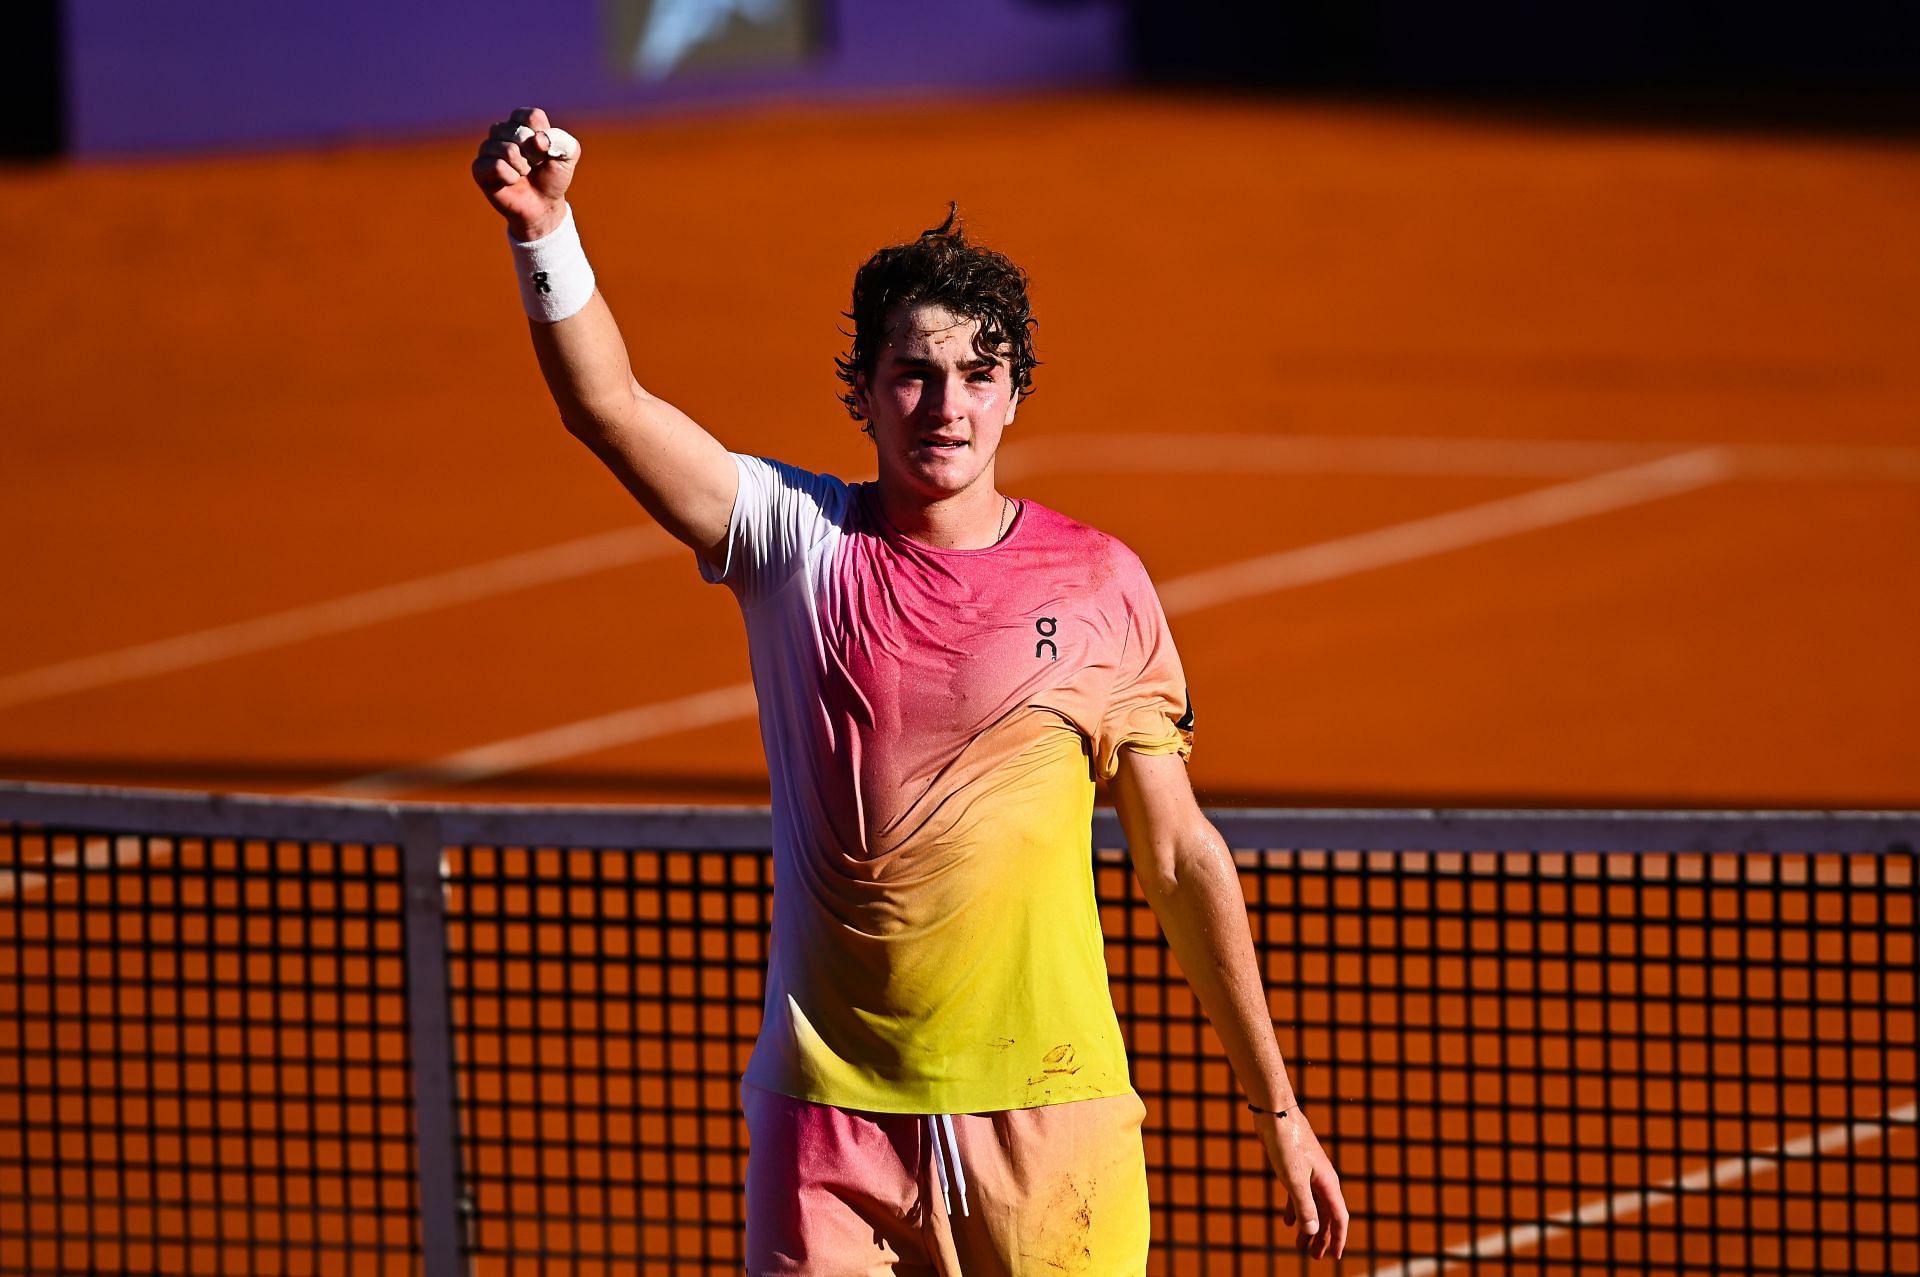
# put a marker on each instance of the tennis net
(267, 1036)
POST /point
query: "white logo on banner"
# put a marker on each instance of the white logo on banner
(676, 28)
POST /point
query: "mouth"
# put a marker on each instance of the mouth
(938, 444)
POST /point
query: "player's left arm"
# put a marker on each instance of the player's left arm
(1190, 880)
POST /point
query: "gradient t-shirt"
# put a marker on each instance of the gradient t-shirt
(934, 721)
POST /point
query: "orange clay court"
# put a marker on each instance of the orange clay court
(1478, 460)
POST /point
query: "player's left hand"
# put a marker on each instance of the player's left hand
(1314, 1201)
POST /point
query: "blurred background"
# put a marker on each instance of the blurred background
(1516, 404)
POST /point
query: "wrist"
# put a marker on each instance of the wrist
(1276, 1097)
(527, 230)
(555, 280)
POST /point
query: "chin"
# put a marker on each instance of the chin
(952, 485)
(941, 478)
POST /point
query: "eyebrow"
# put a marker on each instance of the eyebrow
(970, 365)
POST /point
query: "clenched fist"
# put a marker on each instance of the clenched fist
(525, 177)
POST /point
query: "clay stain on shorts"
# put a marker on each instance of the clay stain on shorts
(1073, 1251)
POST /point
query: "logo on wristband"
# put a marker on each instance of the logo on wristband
(540, 282)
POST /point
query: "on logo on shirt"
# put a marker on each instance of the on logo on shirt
(1047, 626)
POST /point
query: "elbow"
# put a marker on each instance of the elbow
(582, 425)
(1164, 870)
(1182, 867)
(591, 421)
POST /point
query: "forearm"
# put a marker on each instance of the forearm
(679, 472)
(584, 360)
(575, 338)
(1204, 915)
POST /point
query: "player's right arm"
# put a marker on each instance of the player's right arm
(679, 472)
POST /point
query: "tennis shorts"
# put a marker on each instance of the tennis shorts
(1038, 1192)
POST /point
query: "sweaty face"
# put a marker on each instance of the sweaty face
(936, 405)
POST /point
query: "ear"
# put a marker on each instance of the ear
(860, 402)
(1013, 406)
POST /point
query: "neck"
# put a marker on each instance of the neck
(969, 520)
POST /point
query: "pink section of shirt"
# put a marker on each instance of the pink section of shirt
(934, 721)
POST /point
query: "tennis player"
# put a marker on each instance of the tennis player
(943, 671)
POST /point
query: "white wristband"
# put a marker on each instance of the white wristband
(555, 279)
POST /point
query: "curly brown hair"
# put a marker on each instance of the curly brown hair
(940, 268)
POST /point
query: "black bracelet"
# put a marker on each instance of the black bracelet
(1255, 1108)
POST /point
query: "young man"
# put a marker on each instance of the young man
(943, 672)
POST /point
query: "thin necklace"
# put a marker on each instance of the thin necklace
(1006, 512)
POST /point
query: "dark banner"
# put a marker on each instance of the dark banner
(1731, 58)
(32, 93)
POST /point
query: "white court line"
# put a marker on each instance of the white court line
(1639, 1201)
(335, 616)
(1303, 565)
(1326, 455)
(1454, 530)
(1134, 453)
(1460, 458)
(702, 709)
(1815, 462)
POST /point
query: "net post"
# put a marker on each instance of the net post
(436, 1132)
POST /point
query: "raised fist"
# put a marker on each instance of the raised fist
(524, 168)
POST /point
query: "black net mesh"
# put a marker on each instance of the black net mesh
(1535, 1062)
(1539, 1062)
(203, 1057)
(1523, 1062)
(604, 1003)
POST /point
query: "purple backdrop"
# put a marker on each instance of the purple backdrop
(149, 76)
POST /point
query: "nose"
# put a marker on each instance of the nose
(945, 399)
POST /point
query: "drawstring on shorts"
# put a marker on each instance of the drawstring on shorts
(939, 1134)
